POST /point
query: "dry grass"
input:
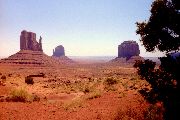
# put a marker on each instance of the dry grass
(73, 104)
(95, 94)
(110, 81)
(85, 87)
(21, 95)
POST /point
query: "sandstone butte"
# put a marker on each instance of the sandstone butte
(59, 55)
(128, 52)
(59, 51)
(31, 53)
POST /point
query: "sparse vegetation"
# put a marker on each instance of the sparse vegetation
(110, 88)
(110, 81)
(95, 94)
(121, 94)
(85, 87)
(73, 104)
(110, 84)
(21, 95)
(29, 80)
(10, 75)
(3, 77)
(2, 80)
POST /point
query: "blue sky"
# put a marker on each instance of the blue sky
(83, 27)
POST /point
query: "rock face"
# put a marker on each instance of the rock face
(59, 51)
(28, 41)
(128, 49)
(128, 52)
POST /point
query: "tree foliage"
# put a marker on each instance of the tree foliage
(162, 32)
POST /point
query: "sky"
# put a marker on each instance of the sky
(83, 27)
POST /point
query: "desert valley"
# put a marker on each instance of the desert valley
(35, 86)
(89, 59)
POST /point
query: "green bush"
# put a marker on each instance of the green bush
(29, 80)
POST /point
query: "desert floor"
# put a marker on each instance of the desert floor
(74, 92)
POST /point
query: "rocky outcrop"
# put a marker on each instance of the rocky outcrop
(128, 49)
(28, 41)
(31, 53)
(128, 52)
(59, 51)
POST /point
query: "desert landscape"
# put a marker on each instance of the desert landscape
(89, 60)
(78, 91)
(36, 86)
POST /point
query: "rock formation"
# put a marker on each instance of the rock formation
(128, 52)
(59, 51)
(31, 53)
(28, 41)
(59, 55)
(128, 49)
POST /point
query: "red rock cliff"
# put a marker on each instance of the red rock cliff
(28, 41)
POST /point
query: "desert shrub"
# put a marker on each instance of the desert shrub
(2, 80)
(110, 81)
(95, 94)
(133, 78)
(109, 84)
(35, 98)
(29, 80)
(86, 89)
(121, 95)
(21, 95)
(0, 73)
(110, 88)
(9, 75)
(73, 104)
(3, 77)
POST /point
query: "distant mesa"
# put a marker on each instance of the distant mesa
(127, 49)
(59, 51)
(28, 41)
(59, 55)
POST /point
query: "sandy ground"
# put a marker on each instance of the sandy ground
(74, 92)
